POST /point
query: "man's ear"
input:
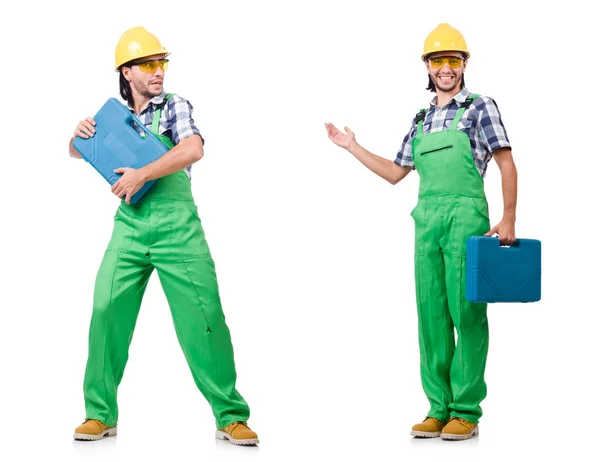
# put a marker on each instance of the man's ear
(126, 73)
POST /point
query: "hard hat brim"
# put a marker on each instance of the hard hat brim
(466, 54)
(164, 53)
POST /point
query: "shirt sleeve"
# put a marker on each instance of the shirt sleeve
(180, 121)
(491, 129)
(404, 157)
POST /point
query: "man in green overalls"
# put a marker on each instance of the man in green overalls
(162, 231)
(450, 145)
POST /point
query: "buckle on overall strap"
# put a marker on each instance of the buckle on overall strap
(462, 107)
(468, 101)
(420, 116)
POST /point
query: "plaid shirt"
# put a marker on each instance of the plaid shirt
(481, 122)
(175, 119)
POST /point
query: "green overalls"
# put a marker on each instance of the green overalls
(451, 207)
(162, 231)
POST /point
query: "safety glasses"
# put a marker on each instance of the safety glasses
(453, 62)
(149, 67)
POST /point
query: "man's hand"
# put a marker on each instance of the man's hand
(130, 183)
(505, 230)
(343, 140)
(85, 128)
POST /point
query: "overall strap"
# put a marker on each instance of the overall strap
(419, 120)
(157, 114)
(461, 110)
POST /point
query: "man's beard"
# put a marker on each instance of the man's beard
(145, 91)
(456, 84)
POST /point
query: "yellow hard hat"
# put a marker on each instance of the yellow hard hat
(444, 38)
(136, 43)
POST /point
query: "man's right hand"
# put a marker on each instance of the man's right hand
(385, 168)
(85, 128)
(343, 140)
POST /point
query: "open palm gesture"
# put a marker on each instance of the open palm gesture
(343, 140)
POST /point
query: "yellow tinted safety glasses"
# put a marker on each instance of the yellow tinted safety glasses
(149, 67)
(453, 62)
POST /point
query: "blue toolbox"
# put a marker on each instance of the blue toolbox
(118, 143)
(504, 274)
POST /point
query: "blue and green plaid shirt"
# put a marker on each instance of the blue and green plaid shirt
(481, 122)
(175, 122)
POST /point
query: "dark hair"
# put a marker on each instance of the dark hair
(431, 85)
(125, 87)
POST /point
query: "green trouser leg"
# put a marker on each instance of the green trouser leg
(120, 285)
(162, 232)
(189, 281)
(468, 217)
(436, 333)
(436, 330)
(192, 292)
(452, 377)
(468, 364)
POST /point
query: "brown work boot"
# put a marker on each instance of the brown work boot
(93, 430)
(459, 429)
(238, 433)
(429, 428)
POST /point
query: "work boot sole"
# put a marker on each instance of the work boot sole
(226, 436)
(86, 437)
(452, 436)
(420, 434)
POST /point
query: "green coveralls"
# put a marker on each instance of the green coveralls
(162, 231)
(452, 206)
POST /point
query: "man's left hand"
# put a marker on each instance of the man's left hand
(130, 183)
(505, 230)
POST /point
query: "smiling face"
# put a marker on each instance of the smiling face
(446, 70)
(146, 76)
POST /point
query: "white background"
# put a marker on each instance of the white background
(313, 251)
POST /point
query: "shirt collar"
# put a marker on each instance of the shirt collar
(155, 101)
(460, 97)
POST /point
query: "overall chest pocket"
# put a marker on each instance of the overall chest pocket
(436, 149)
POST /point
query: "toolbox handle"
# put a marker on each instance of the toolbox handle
(133, 121)
(514, 245)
